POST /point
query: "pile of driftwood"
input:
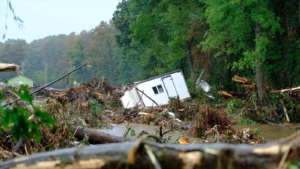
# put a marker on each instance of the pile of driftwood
(278, 105)
(96, 89)
(78, 110)
(247, 84)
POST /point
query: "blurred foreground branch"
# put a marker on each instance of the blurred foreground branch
(134, 155)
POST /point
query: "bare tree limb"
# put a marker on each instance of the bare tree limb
(286, 90)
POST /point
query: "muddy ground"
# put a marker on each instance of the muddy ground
(96, 105)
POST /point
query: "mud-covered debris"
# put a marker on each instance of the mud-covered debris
(209, 120)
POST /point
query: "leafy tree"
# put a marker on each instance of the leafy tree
(13, 51)
(282, 67)
(77, 53)
(77, 56)
(163, 32)
(17, 120)
(121, 20)
(242, 28)
(51, 51)
(101, 51)
(39, 77)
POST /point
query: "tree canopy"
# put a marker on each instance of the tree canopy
(254, 38)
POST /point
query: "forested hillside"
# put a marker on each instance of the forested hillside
(45, 60)
(254, 39)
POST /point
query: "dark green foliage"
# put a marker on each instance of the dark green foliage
(12, 51)
(24, 94)
(121, 22)
(161, 32)
(16, 119)
(146, 38)
(21, 126)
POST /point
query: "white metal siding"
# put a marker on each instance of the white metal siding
(169, 85)
(173, 83)
(146, 87)
(126, 100)
(135, 97)
(130, 99)
(180, 85)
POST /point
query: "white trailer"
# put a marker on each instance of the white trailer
(158, 89)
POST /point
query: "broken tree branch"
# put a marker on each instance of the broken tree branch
(285, 112)
(286, 90)
(215, 129)
(47, 84)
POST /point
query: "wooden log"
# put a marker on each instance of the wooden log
(285, 90)
(95, 136)
(249, 86)
(285, 112)
(232, 93)
(145, 154)
(240, 79)
(225, 93)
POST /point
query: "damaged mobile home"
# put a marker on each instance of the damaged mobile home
(156, 91)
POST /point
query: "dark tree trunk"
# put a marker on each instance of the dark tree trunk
(259, 64)
(189, 56)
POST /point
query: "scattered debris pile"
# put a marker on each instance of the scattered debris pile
(251, 87)
(95, 103)
(248, 85)
(209, 120)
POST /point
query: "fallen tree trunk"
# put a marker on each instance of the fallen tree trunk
(95, 136)
(285, 90)
(145, 154)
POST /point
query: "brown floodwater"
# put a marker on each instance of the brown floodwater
(120, 129)
(269, 132)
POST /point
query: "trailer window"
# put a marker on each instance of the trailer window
(158, 89)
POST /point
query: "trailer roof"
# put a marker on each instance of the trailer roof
(159, 76)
